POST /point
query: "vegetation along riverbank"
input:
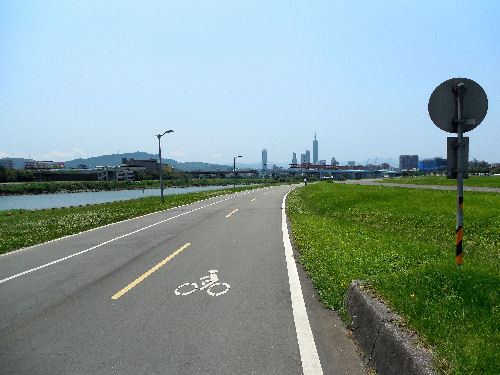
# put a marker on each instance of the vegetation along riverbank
(477, 181)
(19, 230)
(402, 241)
(80, 186)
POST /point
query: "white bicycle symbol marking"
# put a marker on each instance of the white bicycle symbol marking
(207, 282)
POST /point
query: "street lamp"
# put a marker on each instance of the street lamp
(234, 170)
(159, 153)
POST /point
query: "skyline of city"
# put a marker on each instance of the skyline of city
(403, 162)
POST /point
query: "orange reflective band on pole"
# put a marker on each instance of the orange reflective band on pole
(460, 234)
(461, 203)
(459, 245)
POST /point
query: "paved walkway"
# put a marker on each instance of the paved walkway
(414, 186)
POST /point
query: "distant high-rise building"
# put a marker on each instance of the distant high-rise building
(305, 158)
(334, 161)
(315, 150)
(433, 164)
(294, 158)
(407, 162)
(322, 162)
(351, 163)
(264, 159)
(7, 163)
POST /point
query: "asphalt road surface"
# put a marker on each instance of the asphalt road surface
(206, 288)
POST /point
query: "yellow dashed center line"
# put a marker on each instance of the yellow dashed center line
(138, 280)
(232, 212)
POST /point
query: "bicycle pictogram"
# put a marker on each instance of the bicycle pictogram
(210, 283)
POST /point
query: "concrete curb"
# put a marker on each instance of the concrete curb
(388, 348)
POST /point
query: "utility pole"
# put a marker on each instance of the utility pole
(159, 154)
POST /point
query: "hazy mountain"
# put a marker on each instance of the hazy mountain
(116, 159)
(109, 160)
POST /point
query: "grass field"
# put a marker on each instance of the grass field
(485, 181)
(402, 241)
(30, 228)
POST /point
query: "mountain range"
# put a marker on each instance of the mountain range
(116, 159)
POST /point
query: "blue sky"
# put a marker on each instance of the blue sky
(85, 78)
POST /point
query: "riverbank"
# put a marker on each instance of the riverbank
(75, 199)
(476, 181)
(29, 228)
(31, 188)
(401, 241)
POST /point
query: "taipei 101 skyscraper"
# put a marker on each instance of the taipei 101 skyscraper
(315, 150)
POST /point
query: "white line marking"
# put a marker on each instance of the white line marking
(107, 242)
(308, 352)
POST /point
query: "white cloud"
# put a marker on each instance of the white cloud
(217, 156)
(78, 151)
(177, 154)
(57, 155)
(10, 156)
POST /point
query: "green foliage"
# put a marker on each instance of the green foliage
(485, 181)
(77, 186)
(30, 228)
(402, 241)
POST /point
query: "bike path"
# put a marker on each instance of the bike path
(63, 319)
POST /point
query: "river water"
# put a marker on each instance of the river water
(39, 201)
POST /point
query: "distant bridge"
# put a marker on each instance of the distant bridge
(335, 172)
(224, 174)
(341, 172)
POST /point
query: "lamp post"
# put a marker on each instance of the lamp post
(234, 170)
(159, 153)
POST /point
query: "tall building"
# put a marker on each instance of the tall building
(433, 164)
(305, 158)
(7, 163)
(294, 158)
(407, 162)
(264, 159)
(334, 161)
(315, 150)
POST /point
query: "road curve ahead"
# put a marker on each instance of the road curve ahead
(209, 287)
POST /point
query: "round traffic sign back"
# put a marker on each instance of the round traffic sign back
(443, 105)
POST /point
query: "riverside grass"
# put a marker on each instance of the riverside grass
(482, 181)
(20, 188)
(31, 228)
(402, 241)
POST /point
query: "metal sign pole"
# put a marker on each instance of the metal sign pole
(448, 112)
(459, 90)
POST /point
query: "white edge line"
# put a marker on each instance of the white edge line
(110, 224)
(311, 364)
(228, 196)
